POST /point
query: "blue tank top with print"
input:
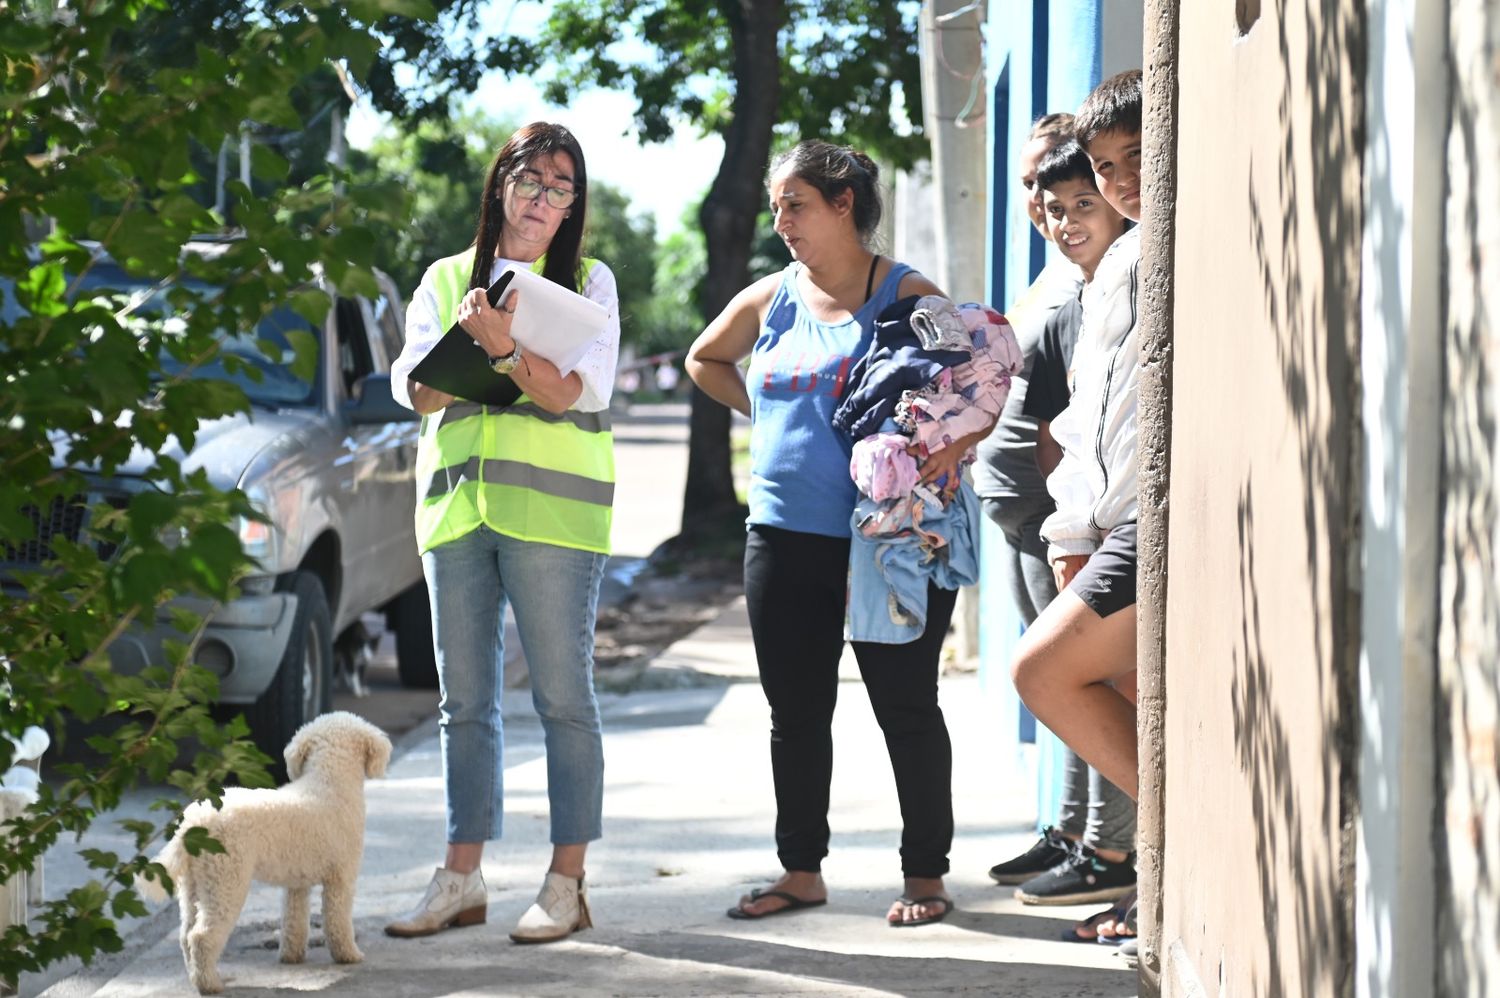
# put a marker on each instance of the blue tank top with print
(799, 367)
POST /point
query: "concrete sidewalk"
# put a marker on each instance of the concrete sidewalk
(688, 821)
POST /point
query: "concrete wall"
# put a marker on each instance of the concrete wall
(1262, 613)
(1159, 142)
(1468, 899)
(1016, 74)
(1401, 365)
(913, 235)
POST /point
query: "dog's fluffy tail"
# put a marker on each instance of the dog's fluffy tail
(174, 858)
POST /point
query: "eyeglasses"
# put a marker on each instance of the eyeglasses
(528, 189)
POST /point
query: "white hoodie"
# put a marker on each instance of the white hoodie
(1095, 483)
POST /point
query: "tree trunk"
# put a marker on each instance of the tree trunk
(728, 219)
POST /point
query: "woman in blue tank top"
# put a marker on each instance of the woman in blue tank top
(803, 330)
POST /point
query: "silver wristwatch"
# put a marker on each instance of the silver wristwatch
(507, 363)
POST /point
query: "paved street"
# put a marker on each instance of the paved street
(687, 830)
(688, 805)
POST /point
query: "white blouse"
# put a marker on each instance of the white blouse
(596, 369)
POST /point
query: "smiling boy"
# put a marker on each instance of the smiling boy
(1079, 220)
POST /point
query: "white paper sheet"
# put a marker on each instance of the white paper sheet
(552, 321)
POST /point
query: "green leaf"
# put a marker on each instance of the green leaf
(149, 512)
(183, 621)
(197, 840)
(371, 11)
(305, 345)
(142, 830)
(127, 904)
(312, 304)
(267, 164)
(41, 290)
(213, 554)
(99, 859)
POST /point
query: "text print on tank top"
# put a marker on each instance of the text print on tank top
(806, 367)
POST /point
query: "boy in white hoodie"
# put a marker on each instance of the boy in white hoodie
(1075, 667)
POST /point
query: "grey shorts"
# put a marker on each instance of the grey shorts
(1107, 582)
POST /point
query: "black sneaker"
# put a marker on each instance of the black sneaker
(1052, 848)
(1082, 877)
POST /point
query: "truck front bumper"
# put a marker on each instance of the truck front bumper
(243, 643)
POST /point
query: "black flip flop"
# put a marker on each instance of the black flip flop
(947, 904)
(793, 903)
(1091, 924)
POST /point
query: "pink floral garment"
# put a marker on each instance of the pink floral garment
(960, 400)
(882, 468)
(969, 396)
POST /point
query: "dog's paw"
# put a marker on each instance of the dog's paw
(293, 955)
(208, 984)
(353, 955)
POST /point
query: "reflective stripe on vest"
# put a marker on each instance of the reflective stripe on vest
(520, 470)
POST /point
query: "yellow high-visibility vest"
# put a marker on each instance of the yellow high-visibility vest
(518, 469)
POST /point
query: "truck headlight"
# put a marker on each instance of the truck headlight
(257, 537)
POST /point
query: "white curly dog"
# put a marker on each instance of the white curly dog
(309, 832)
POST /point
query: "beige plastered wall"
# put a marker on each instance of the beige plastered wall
(1468, 827)
(1261, 618)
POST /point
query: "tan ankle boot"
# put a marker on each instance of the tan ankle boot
(452, 899)
(561, 909)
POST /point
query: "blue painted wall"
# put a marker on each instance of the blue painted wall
(1043, 56)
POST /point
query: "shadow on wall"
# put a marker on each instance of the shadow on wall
(1468, 895)
(1310, 283)
(1263, 746)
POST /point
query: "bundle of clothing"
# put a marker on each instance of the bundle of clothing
(934, 373)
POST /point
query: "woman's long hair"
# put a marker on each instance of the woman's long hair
(565, 254)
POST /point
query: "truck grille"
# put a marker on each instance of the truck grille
(62, 517)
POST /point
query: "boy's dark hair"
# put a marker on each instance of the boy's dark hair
(1054, 127)
(1064, 162)
(1113, 106)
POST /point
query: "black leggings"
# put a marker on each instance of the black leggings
(795, 588)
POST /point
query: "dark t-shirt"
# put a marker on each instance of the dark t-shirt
(1048, 392)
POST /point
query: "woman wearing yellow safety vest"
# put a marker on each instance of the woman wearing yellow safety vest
(514, 505)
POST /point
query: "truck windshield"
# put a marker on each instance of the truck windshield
(276, 385)
(273, 384)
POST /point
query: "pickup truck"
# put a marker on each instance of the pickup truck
(332, 464)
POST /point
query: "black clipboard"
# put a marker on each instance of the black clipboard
(459, 366)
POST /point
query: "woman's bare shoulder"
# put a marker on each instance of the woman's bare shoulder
(757, 297)
(914, 283)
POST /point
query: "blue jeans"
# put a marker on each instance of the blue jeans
(555, 593)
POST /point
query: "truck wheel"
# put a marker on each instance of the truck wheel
(411, 618)
(302, 687)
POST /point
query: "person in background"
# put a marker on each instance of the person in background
(803, 329)
(666, 378)
(1011, 491)
(516, 507)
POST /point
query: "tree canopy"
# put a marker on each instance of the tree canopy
(846, 70)
(756, 72)
(442, 164)
(98, 132)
